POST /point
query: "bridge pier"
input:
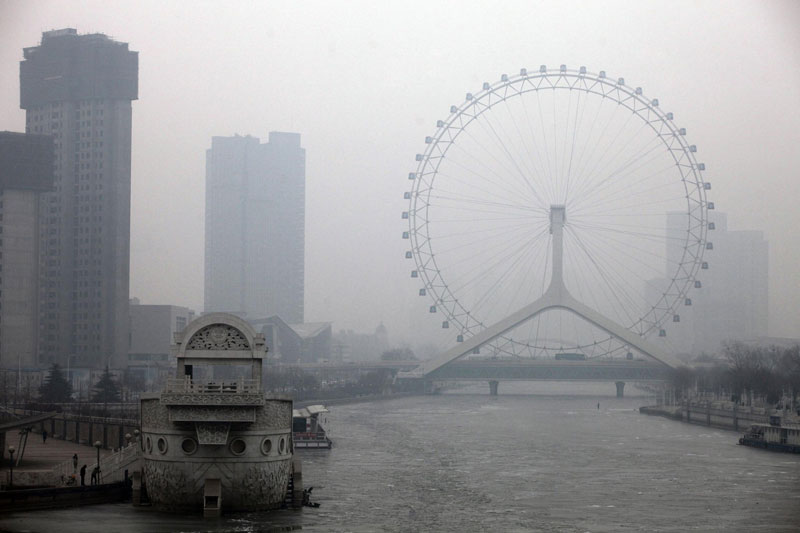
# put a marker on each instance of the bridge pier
(620, 388)
(493, 387)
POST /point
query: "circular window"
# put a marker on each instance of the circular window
(148, 445)
(282, 445)
(238, 447)
(161, 443)
(189, 446)
(266, 446)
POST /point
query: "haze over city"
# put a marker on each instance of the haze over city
(364, 83)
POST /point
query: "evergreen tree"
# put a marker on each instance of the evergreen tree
(106, 390)
(55, 388)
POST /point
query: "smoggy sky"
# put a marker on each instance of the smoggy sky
(365, 82)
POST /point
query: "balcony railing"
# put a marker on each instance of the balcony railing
(188, 386)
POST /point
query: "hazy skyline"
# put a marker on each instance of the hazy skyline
(364, 83)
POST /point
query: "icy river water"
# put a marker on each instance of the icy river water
(534, 458)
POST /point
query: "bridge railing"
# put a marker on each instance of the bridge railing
(112, 467)
(189, 386)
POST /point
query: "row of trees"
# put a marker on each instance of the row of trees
(56, 388)
(304, 386)
(748, 372)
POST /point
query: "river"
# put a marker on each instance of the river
(538, 457)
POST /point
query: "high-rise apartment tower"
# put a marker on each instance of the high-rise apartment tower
(255, 226)
(26, 172)
(78, 89)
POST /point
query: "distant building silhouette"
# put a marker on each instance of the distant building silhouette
(255, 226)
(26, 172)
(296, 343)
(153, 328)
(732, 302)
(79, 88)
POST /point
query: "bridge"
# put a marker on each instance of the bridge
(495, 371)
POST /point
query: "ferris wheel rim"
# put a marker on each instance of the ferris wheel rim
(633, 99)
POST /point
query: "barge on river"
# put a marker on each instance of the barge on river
(212, 440)
(773, 436)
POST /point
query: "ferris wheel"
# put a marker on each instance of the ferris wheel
(614, 168)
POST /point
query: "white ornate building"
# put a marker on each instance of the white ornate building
(217, 442)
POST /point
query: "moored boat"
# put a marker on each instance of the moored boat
(307, 431)
(773, 436)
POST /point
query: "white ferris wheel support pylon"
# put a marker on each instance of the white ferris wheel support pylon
(555, 297)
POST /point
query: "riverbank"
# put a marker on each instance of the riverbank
(355, 399)
(718, 414)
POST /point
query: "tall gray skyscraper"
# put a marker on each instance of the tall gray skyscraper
(26, 172)
(255, 226)
(79, 88)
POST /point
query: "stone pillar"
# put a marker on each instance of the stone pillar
(77, 431)
(493, 387)
(620, 388)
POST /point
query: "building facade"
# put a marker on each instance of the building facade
(26, 172)
(255, 226)
(78, 89)
(732, 302)
(153, 329)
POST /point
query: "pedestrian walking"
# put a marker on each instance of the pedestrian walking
(83, 476)
(95, 475)
(44, 436)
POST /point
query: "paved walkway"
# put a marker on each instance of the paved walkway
(43, 456)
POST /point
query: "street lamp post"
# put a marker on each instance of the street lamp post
(97, 445)
(11, 451)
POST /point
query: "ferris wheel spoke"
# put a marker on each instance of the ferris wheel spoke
(496, 231)
(613, 149)
(551, 172)
(646, 156)
(610, 252)
(543, 160)
(615, 294)
(587, 173)
(456, 199)
(621, 274)
(485, 301)
(502, 264)
(637, 187)
(537, 170)
(497, 180)
(462, 272)
(480, 269)
(487, 187)
(572, 147)
(580, 162)
(486, 123)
